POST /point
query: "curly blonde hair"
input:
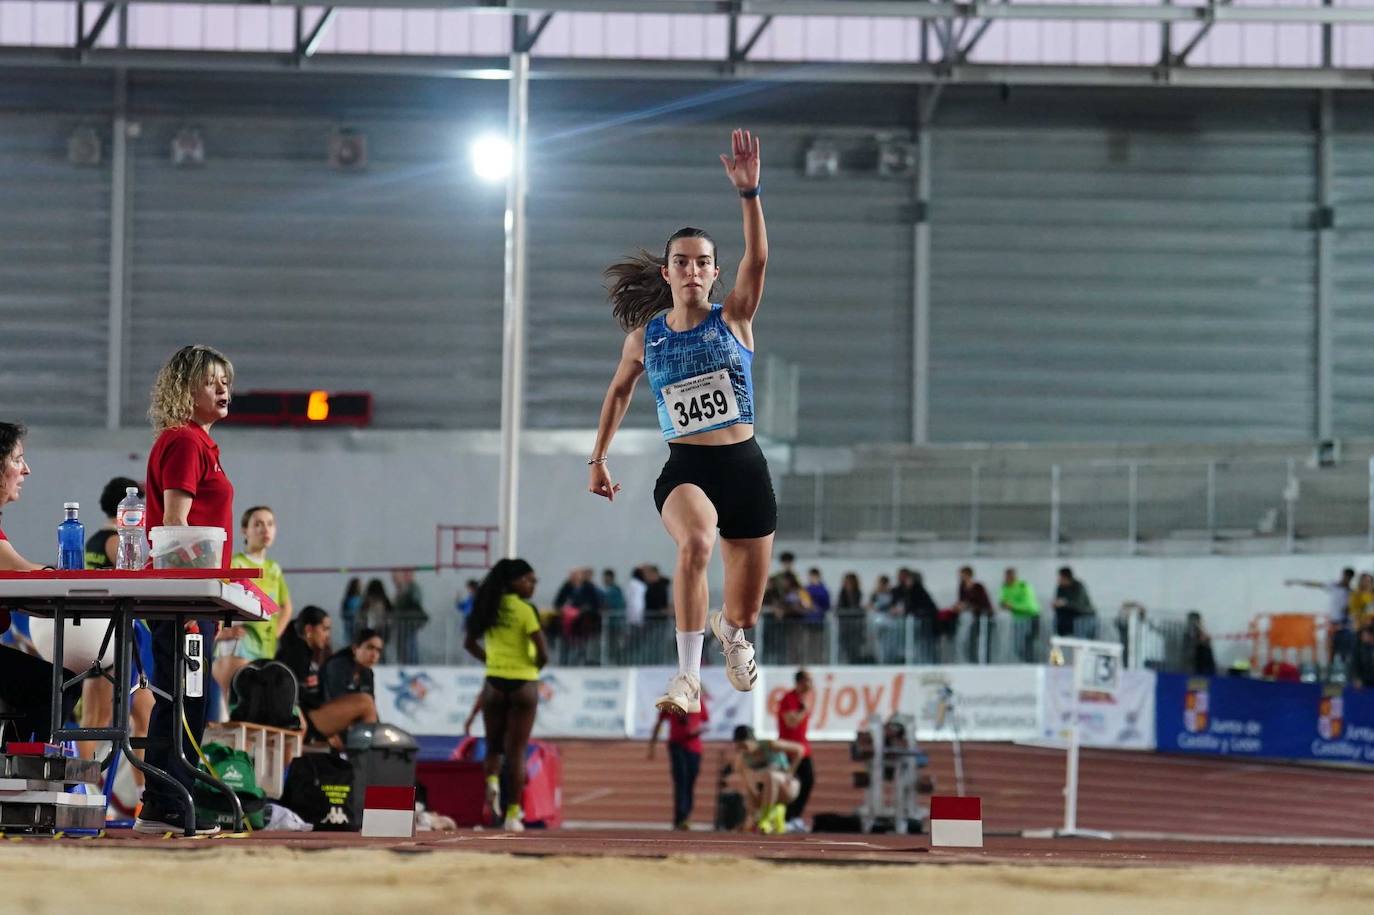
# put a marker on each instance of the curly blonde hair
(174, 389)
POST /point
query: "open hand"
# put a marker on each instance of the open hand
(742, 166)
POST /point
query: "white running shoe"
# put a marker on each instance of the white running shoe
(494, 799)
(740, 668)
(682, 695)
(515, 820)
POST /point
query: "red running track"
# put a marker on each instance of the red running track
(612, 782)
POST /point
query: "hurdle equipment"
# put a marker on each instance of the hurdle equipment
(956, 822)
(389, 812)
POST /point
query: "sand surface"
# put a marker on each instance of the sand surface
(65, 877)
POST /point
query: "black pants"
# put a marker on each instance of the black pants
(979, 625)
(806, 777)
(1063, 621)
(1030, 644)
(26, 691)
(685, 766)
(168, 638)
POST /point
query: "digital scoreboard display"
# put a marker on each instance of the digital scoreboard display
(300, 408)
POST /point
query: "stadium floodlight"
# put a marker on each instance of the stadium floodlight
(492, 157)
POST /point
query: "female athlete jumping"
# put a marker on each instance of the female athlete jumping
(698, 356)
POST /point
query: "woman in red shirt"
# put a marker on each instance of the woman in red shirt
(186, 486)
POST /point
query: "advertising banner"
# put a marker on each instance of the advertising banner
(1233, 716)
(573, 702)
(1125, 721)
(980, 703)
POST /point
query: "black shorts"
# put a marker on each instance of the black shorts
(735, 479)
(507, 686)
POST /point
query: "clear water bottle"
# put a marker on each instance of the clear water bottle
(71, 539)
(132, 553)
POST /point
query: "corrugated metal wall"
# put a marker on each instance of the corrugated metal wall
(837, 299)
(54, 270)
(1112, 269)
(386, 279)
(1353, 281)
(1107, 266)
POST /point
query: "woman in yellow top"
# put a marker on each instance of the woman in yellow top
(247, 642)
(503, 631)
(1360, 600)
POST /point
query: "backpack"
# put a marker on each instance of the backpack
(264, 692)
(235, 769)
(322, 789)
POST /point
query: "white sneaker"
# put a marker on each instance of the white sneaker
(494, 799)
(740, 668)
(682, 695)
(515, 821)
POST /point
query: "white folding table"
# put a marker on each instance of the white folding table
(122, 597)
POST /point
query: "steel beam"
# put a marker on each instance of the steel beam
(307, 45)
(120, 173)
(1324, 224)
(875, 9)
(87, 39)
(464, 67)
(741, 52)
(525, 38)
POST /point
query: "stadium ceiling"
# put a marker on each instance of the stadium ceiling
(950, 32)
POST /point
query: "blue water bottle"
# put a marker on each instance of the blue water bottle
(71, 540)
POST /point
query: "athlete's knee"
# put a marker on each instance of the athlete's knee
(364, 707)
(694, 549)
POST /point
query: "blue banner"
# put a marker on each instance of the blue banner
(1233, 716)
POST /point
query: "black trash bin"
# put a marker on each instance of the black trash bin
(382, 754)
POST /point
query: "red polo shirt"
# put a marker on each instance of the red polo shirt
(187, 458)
(686, 731)
(792, 703)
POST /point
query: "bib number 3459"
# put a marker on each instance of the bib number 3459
(701, 402)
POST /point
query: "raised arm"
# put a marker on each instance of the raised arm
(742, 167)
(613, 408)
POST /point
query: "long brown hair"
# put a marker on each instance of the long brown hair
(636, 287)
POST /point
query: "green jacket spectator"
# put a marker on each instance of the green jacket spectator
(1018, 597)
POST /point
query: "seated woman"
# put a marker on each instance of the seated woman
(349, 670)
(304, 646)
(765, 772)
(25, 680)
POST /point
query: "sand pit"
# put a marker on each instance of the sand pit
(65, 876)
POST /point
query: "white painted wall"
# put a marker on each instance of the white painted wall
(1227, 590)
(370, 498)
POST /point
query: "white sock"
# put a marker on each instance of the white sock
(727, 628)
(689, 651)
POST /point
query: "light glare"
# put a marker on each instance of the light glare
(491, 157)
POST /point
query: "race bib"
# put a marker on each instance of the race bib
(701, 402)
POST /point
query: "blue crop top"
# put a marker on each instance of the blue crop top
(702, 378)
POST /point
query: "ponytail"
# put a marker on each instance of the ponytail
(486, 605)
(636, 288)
